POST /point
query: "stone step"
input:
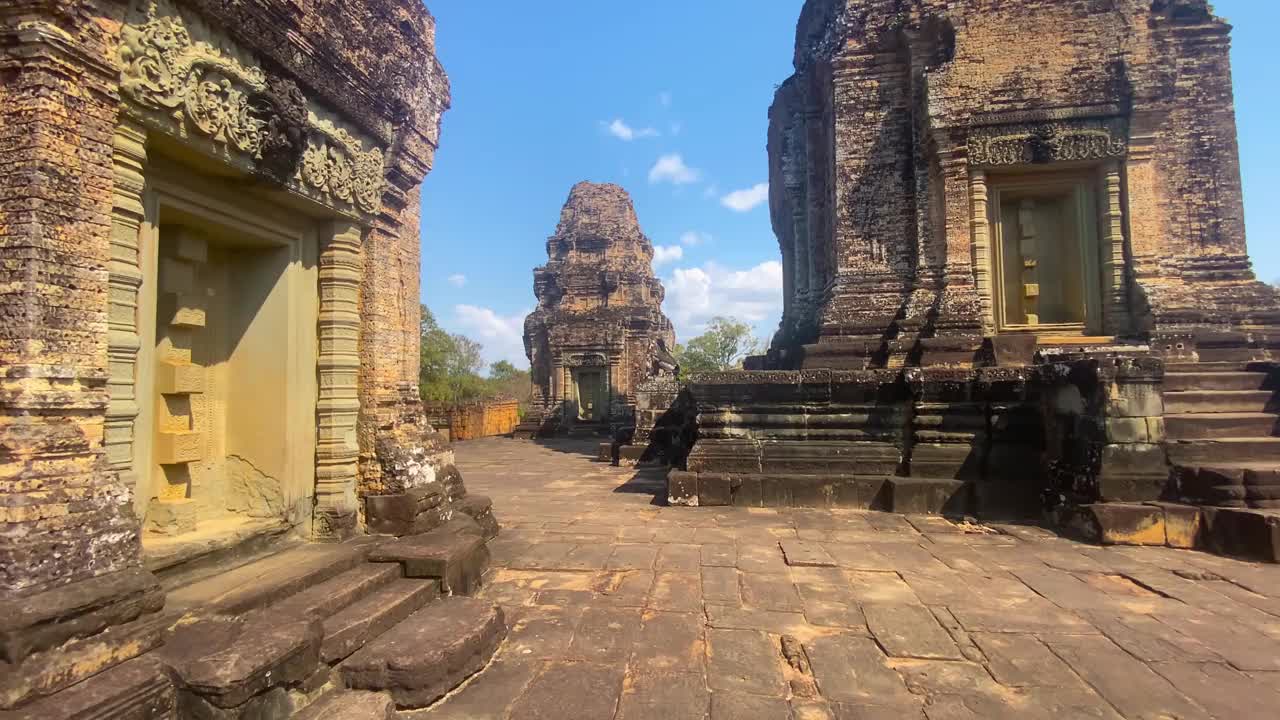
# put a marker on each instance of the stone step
(138, 688)
(350, 705)
(269, 580)
(1217, 401)
(330, 596)
(1201, 426)
(1219, 451)
(235, 666)
(428, 654)
(1183, 381)
(348, 630)
(453, 553)
(1231, 354)
(1176, 366)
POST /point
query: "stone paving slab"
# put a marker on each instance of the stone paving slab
(622, 608)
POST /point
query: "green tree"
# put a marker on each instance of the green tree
(507, 380)
(450, 364)
(725, 344)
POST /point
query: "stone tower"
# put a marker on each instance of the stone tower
(599, 325)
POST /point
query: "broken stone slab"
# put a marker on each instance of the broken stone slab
(428, 654)
(480, 509)
(803, 554)
(227, 661)
(851, 669)
(909, 631)
(399, 514)
(454, 553)
(139, 689)
(350, 705)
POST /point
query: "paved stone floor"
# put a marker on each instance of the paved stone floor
(622, 607)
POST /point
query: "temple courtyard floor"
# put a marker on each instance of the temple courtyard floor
(622, 607)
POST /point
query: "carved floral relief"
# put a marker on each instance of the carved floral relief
(1055, 141)
(205, 87)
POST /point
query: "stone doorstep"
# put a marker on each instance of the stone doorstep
(429, 653)
(140, 688)
(1211, 426)
(271, 579)
(454, 553)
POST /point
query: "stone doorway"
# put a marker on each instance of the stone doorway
(591, 393)
(227, 377)
(1046, 254)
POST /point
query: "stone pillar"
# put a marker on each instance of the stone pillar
(980, 230)
(338, 366)
(1115, 306)
(124, 278)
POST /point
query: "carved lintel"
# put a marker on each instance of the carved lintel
(186, 80)
(1056, 140)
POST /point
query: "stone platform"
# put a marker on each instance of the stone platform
(622, 607)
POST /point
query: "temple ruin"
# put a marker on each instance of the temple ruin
(209, 334)
(1015, 270)
(598, 331)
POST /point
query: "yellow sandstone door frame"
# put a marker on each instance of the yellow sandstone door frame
(1027, 263)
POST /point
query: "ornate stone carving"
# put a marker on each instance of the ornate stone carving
(176, 68)
(1051, 141)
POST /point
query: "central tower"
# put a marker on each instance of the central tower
(599, 323)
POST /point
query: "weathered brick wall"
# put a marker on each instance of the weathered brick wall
(480, 419)
(63, 515)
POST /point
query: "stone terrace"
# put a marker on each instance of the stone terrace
(623, 607)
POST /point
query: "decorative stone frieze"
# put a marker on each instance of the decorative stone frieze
(1050, 141)
(187, 81)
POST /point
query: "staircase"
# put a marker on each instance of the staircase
(345, 630)
(1221, 425)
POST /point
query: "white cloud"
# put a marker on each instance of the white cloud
(671, 168)
(697, 294)
(745, 200)
(663, 254)
(621, 130)
(458, 280)
(501, 335)
(664, 99)
(693, 238)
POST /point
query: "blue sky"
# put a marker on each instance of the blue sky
(668, 99)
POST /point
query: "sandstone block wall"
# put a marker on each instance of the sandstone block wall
(883, 144)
